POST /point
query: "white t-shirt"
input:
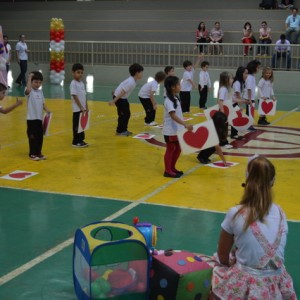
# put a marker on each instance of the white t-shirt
(35, 105)
(185, 85)
(249, 250)
(77, 88)
(170, 126)
(265, 88)
(204, 79)
(250, 84)
(127, 85)
(7, 54)
(224, 94)
(148, 88)
(21, 49)
(236, 89)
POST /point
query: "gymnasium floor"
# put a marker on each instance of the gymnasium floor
(118, 178)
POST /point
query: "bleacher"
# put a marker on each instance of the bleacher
(137, 20)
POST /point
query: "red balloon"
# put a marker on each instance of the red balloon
(57, 39)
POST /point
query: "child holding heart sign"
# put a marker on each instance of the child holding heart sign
(173, 122)
(265, 90)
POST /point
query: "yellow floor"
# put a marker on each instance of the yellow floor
(131, 169)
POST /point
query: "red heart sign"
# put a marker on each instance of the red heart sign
(84, 120)
(144, 136)
(240, 121)
(226, 111)
(252, 110)
(266, 107)
(45, 123)
(196, 139)
(19, 175)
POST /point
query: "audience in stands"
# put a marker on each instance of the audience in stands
(216, 37)
(202, 36)
(264, 39)
(268, 4)
(282, 50)
(248, 37)
(286, 4)
(292, 25)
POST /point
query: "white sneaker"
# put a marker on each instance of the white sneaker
(151, 123)
(228, 146)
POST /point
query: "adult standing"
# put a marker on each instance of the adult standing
(216, 37)
(292, 24)
(22, 58)
(202, 36)
(282, 50)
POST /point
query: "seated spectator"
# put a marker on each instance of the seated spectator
(248, 37)
(202, 36)
(268, 4)
(216, 37)
(264, 38)
(282, 50)
(292, 24)
(286, 4)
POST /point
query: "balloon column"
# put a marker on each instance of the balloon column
(57, 47)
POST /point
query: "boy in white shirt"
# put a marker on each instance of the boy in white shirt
(187, 84)
(79, 104)
(146, 96)
(35, 107)
(204, 84)
(120, 98)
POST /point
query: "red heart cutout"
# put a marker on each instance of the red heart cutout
(252, 110)
(221, 164)
(266, 107)
(19, 175)
(196, 139)
(144, 136)
(226, 111)
(84, 120)
(46, 122)
(240, 121)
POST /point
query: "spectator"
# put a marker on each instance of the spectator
(286, 4)
(292, 24)
(264, 38)
(282, 50)
(267, 4)
(216, 37)
(248, 37)
(22, 57)
(202, 36)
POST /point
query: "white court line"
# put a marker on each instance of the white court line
(29, 265)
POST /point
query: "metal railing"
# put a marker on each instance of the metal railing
(159, 54)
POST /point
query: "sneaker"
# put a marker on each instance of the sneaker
(178, 172)
(80, 145)
(251, 128)
(236, 137)
(151, 123)
(128, 132)
(124, 133)
(42, 157)
(263, 121)
(228, 146)
(172, 175)
(34, 157)
(84, 143)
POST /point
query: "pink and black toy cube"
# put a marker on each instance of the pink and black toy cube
(179, 275)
